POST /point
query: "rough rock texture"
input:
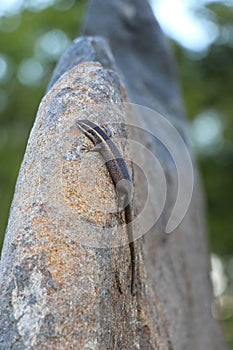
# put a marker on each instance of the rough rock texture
(62, 285)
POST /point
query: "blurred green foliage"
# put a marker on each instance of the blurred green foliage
(207, 85)
(19, 102)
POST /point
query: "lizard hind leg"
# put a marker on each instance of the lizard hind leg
(121, 199)
(124, 193)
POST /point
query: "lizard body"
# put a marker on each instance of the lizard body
(119, 173)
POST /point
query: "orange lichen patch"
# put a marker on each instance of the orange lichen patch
(87, 189)
(61, 257)
(60, 262)
(70, 192)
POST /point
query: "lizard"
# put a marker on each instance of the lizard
(119, 173)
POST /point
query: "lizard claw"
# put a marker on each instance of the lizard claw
(106, 129)
(85, 147)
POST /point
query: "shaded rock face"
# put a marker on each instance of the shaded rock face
(84, 49)
(141, 52)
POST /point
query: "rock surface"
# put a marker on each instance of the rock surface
(58, 291)
(62, 287)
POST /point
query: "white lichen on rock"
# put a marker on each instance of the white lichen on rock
(29, 308)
